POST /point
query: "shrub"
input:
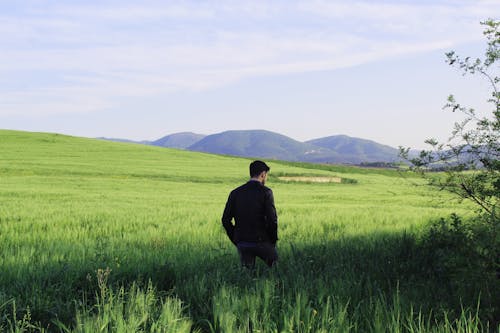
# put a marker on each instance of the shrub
(463, 255)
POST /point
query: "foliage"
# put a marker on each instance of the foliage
(463, 254)
(470, 158)
(464, 257)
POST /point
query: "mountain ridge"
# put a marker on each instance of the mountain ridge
(181, 140)
(259, 143)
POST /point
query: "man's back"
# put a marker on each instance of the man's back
(252, 206)
(255, 230)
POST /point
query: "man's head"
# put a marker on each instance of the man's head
(259, 170)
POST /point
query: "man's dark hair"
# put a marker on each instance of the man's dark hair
(256, 167)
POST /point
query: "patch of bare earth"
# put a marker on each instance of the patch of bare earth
(311, 179)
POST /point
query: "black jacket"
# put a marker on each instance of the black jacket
(252, 207)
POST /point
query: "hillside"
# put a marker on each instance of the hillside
(178, 140)
(259, 143)
(339, 149)
(56, 155)
(356, 150)
(93, 232)
(265, 144)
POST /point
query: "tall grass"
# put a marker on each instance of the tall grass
(135, 310)
(72, 209)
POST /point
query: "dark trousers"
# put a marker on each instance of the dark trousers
(264, 250)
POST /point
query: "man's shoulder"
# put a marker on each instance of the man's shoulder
(239, 189)
(252, 185)
(258, 185)
(268, 192)
(266, 189)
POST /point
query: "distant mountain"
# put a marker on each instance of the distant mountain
(259, 143)
(178, 140)
(355, 150)
(265, 144)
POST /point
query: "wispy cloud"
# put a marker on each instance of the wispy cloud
(100, 52)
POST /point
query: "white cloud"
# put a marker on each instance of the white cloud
(44, 102)
(103, 52)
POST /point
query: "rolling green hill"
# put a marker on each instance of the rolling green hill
(98, 235)
(46, 154)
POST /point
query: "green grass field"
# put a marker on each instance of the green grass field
(99, 236)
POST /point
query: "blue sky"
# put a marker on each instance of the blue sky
(306, 69)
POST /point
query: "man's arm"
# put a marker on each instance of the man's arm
(227, 216)
(271, 216)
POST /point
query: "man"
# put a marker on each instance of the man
(255, 231)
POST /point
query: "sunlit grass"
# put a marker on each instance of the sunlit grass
(70, 207)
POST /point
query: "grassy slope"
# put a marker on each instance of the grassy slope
(70, 206)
